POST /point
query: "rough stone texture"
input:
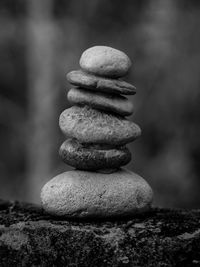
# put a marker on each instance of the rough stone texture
(113, 103)
(92, 126)
(161, 237)
(90, 157)
(90, 194)
(100, 84)
(105, 61)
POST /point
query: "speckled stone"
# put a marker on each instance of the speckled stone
(105, 61)
(85, 194)
(100, 84)
(91, 157)
(113, 103)
(89, 125)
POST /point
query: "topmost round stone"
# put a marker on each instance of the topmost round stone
(105, 61)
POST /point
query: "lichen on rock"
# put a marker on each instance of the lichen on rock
(159, 237)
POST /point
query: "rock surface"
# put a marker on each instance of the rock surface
(92, 126)
(161, 237)
(100, 84)
(90, 157)
(93, 195)
(107, 102)
(105, 61)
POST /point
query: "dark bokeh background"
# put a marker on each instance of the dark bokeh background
(40, 41)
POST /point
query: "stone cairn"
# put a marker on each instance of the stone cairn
(98, 133)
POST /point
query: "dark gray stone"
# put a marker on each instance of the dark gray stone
(90, 157)
(100, 84)
(107, 102)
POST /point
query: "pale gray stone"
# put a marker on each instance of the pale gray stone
(85, 194)
(105, 61)
(89, 125)
(108, 102)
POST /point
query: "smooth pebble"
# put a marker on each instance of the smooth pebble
(105, 61)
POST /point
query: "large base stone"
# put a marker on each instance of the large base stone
(91, 194)
(161, 237)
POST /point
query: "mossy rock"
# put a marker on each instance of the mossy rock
(160, 237)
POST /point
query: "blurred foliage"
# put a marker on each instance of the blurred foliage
(162, 39)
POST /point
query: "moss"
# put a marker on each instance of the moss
(161, 237)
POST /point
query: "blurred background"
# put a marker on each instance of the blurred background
(40, 41)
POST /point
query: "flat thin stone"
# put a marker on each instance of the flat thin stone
(114, 103)
(89, 125)
(105, 61)
(100, 84)
(107, 170)
(90, 157)
(82, 194)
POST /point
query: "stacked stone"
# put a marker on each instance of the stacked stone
(96, 124)
(97, 133)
